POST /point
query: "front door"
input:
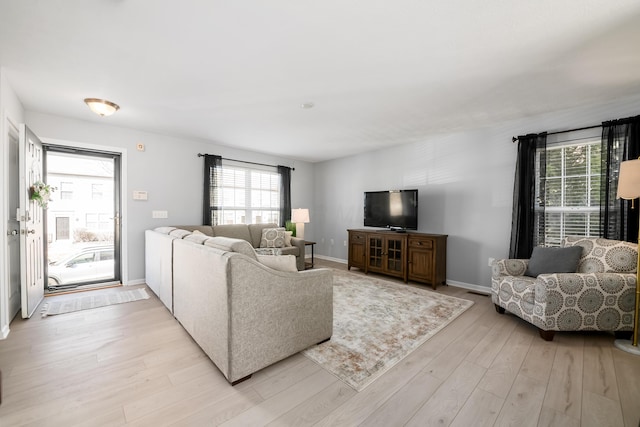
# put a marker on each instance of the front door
(31, 222)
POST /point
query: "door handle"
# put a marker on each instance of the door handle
(32, 231)
(12, 233)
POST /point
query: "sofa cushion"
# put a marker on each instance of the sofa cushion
(234, 231)
(272, 238)
(164, 230)
(287, 238)
(232, 245)
(179, 233)
(604, 255)
(281, 263)
(204, 229)
(553, 260)
(196, 237)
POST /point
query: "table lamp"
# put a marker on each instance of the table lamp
(629, 189)
(300, 217)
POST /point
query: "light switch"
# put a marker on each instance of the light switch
(159, 214)
(139, 195)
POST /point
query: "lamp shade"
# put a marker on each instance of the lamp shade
(101, 107)
(629, 180)
(300, 216)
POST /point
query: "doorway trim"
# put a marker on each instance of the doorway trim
(124, 267)
(7, 128)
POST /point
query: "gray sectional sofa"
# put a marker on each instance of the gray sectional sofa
(244, 314)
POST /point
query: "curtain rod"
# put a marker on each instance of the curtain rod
(514, 139)
(244, 161)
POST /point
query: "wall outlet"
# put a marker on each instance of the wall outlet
(490, 261)
(345, 243)
(159, 214)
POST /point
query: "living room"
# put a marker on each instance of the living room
(463, 165)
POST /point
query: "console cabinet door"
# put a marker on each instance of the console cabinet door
(357, 250)
(421, 259)
(387, 254)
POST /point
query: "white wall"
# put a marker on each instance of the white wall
(10, 111)
(169, 170)
(465, 183)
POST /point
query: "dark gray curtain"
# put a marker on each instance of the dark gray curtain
(212, 177)
(620, 142)
(527, 221)
(285, 194)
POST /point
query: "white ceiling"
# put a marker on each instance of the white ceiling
(379, 72)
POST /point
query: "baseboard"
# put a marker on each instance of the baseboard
(135, 282)
(328, 258)
(484, 290)
(4, 333)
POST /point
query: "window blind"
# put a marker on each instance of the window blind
(571, 197)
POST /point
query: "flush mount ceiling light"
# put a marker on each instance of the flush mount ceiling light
(101, 107)
(307, 105)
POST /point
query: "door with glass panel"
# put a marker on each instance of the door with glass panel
(83, 218)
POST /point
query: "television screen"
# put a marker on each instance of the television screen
(391, 209)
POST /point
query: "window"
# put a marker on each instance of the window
(572, 191)
(66, 190)
(249, 195)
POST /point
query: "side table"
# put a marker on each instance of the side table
(308, 265)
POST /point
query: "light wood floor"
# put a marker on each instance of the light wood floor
(133, 364)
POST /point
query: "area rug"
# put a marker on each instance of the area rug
(377, 323)
(93, 301)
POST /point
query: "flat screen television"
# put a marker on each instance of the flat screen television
(396, 209)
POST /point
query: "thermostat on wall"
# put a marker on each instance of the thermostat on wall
(139, 195)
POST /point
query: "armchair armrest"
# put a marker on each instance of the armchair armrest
(508, 267)
(571, 284)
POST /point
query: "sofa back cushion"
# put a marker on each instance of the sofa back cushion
(204, 229)
(232, 245)
(234, 231)
(604, 255)
(179, 233)
(197, 237)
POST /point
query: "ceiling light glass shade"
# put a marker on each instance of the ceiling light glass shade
(629, 180)
(300, 216)
(101, 107)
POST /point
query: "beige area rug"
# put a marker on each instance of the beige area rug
(93, 301)
(377, 323)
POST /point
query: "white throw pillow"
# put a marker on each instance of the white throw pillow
(279, 262)
(287, 238)
(272, 238)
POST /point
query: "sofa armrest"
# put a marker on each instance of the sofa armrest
(274, 314)
(508, 267)
(299, 243)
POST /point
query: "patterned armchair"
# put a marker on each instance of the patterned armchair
(599, 296)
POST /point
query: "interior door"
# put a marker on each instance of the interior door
(31, 223)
